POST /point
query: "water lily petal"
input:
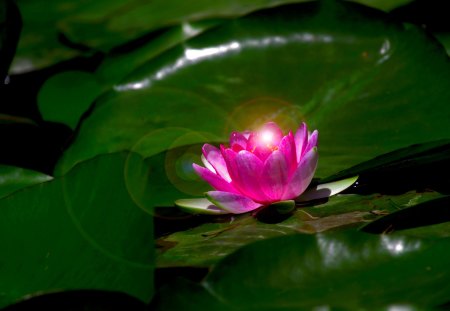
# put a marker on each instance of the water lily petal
(287, 148)
(312, 141)
(214, 180)
(262, 152)
(301, 140)
(275, 176)
(229, 156)
(258, 148)
(238, 141)
(326, 190)
(215, 158)
(199, 206)
(302, 176)
(207, 164)
(232, 202)
(249, 168)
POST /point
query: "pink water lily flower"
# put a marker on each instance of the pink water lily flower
(259, 168)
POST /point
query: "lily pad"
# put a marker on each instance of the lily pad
(80, 231)
(304, 272)
(81, 300)
(16, 178)
(338, 62)
(208, 242)
(66, 96)
(425, 214)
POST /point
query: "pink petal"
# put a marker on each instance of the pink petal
(214, 180)
(230, 159)
(238, 141)
(215, 158)
(229, 156)
(301, 140)
(232, 202)
(249, 168)
(275, 176)
(258, 148)
(208, 165)
(262, 152)
(287, 148)
(252, 142)
(312, 141)
(302, 176)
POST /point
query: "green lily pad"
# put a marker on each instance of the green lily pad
(283, 207)
(385, 5)
(118, 64)
(207, 243)
(16, 178)
(441, 230)
(337, 61)
(444, 39)
(425, 214)
(105, 25)
(66, 96)
(80, 231)
(306, 272)
(81, 300)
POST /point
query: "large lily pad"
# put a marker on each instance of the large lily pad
(345, 271)
(81, 300)
(208, 242)
(102, 25)
(345, 69)
(80, 231)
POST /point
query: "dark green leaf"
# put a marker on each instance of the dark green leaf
(66, 96)
(385, 5)
(16, 178)
(425, 214)
(345, 271)
(433, 231)
(80, 231)
(338, 65)
(81, 300)
(215, 238)
(444, 39)
(122, 61)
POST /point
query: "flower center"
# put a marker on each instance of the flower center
(267, 138)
